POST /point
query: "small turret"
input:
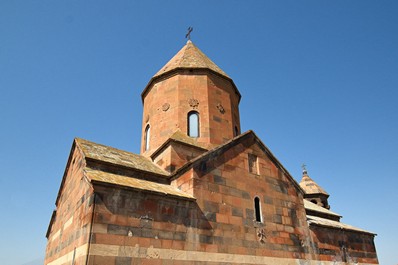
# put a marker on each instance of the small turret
(313, 192)
(191, 95)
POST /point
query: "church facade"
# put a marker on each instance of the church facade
(199, 192)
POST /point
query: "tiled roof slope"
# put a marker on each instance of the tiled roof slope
(316, 208)
(180, 137)
(190, 57)
(310, 186)
(314, 220)
(145, 185)
(117, 157)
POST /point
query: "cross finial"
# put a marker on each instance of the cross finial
(188, 35)
(304, 167)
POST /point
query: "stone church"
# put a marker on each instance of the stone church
(200, 191)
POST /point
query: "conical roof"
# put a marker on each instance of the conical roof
(190, 57)
(310, 186)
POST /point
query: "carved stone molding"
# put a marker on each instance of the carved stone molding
(194, 103)
(261, 235)
(220, 108)
(165, 106)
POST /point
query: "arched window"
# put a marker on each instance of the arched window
(193, 124)
(257, 209)
(147, 136)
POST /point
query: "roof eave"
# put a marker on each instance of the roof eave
(74, 145)
(107, 184)
(50, 224)
(198, 159)
(278, 163)
(171, 140)
(317, 193)
(320, 212)
(175, 71)
(343, 228)
(146, 172)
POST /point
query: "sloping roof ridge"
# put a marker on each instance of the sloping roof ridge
(108, 178)
(230, 144)
(65, 171)
(154, 169)
(197, 159)
(190, 56)
(277, 162)
(306, 179)
(80, 140)
(179, 137)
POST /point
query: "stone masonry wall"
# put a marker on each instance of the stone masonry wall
(225, 190)
(176, 155)
(339, 245)
(169, 101)
(128, 223)
(70, 230)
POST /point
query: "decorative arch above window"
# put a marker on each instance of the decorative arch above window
(147, 136)
(193, 124)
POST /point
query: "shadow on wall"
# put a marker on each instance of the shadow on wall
(141, 214)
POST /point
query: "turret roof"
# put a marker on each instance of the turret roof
(310, 186)
(190, 57)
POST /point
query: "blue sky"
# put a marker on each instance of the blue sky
(318, 80)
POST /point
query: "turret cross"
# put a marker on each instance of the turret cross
(188, 35)
(304, 167)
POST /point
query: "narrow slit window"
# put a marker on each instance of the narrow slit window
(253, 164)
(257, 208)
(147, 136)
(236, 131)
(193, 124)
